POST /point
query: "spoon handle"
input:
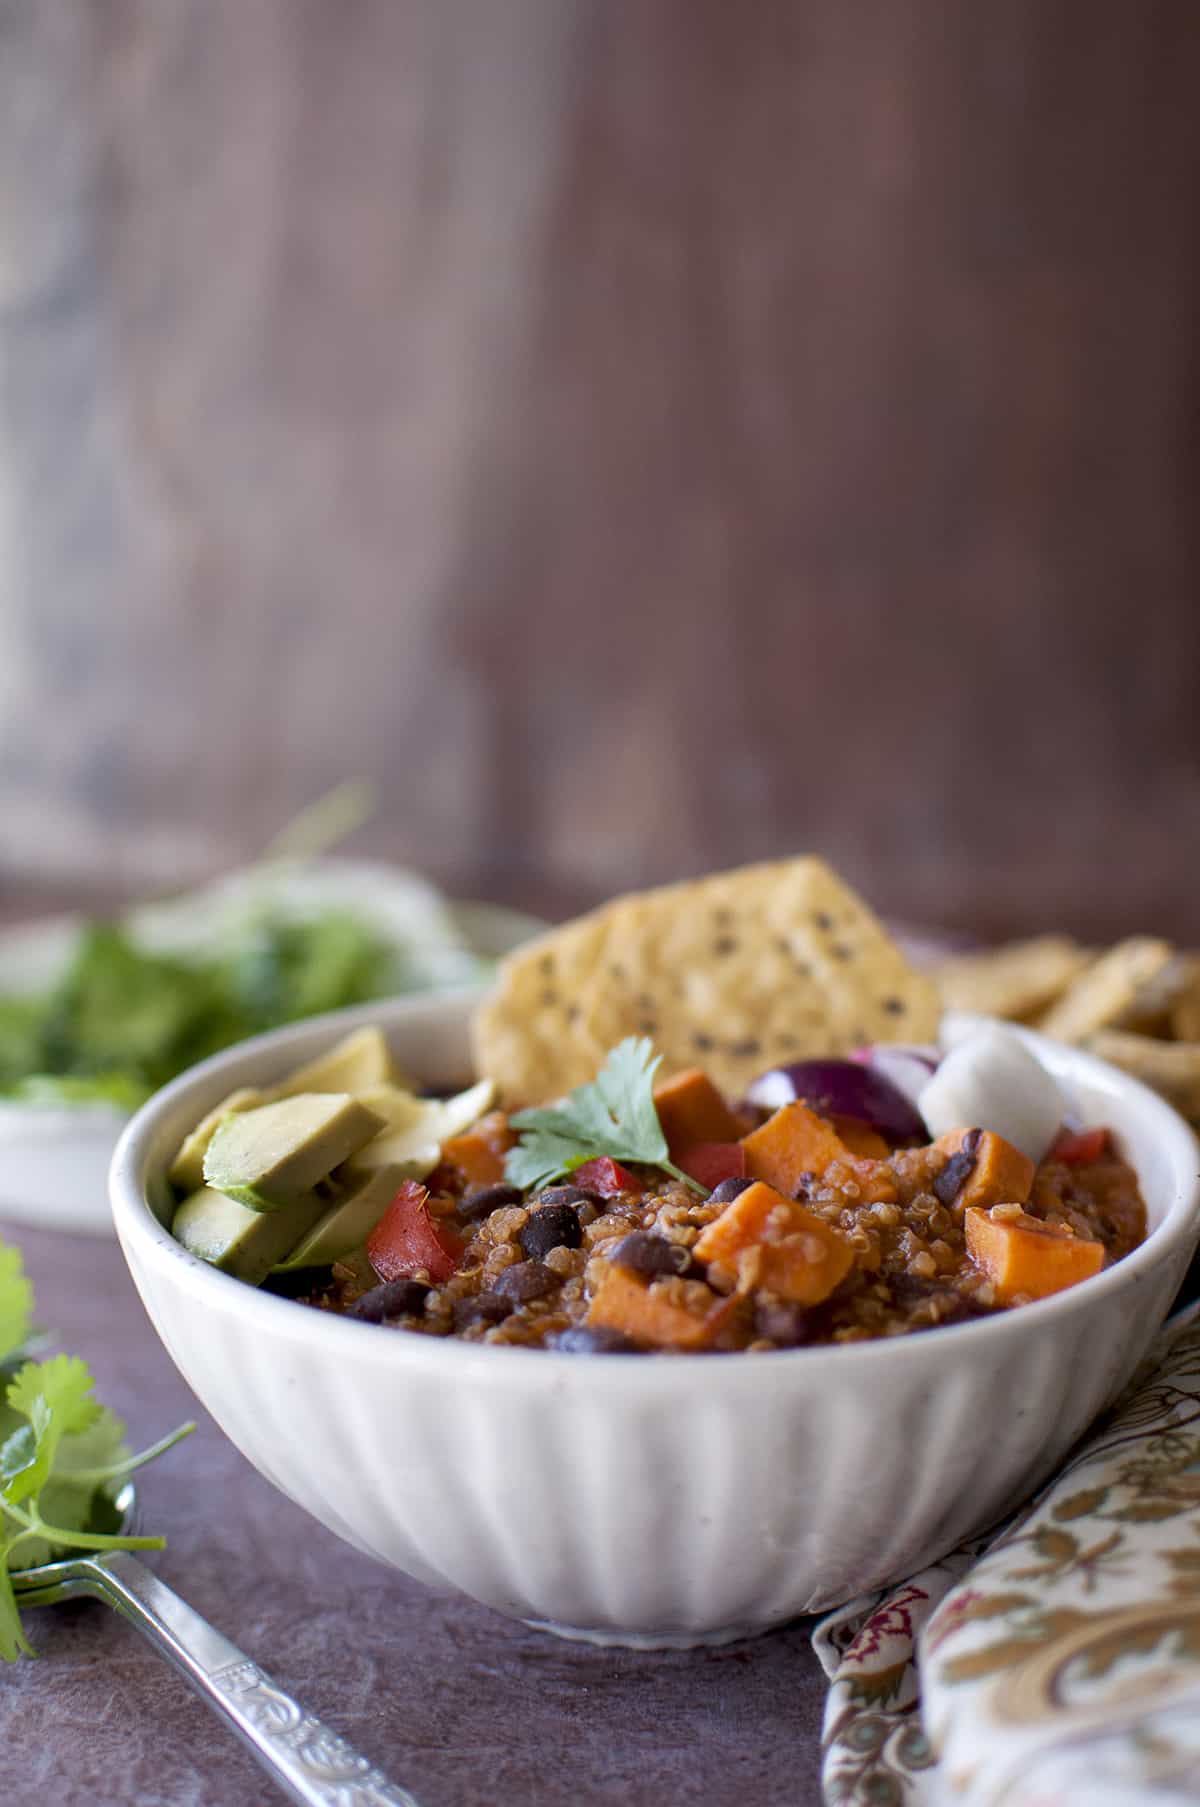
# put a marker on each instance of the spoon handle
(308, 1760)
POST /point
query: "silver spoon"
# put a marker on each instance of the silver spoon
(311, 1763)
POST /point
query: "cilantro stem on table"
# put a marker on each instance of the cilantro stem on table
(62, 1455)
(34, 1525)
(116, 1471)
(613, 1115)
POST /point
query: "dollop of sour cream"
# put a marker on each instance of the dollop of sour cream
(991, 1080)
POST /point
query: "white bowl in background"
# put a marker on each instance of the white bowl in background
(657, 1500)
(54, 1159)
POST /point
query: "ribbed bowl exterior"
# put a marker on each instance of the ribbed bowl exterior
(656, 1500)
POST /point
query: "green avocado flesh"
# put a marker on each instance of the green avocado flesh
(241, 1242)
(413, 1138)
(269, 1159)
(347, 1223)
(295, 1176)
(357, 1062)
(186, 1172)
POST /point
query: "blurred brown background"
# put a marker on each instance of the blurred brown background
(641, 435)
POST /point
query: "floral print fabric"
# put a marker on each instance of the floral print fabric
(1057, 1663)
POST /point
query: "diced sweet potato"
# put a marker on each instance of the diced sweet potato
(793, 1142)
(770, 1241)
(478, 1157)
(652, 1312)
(1024, 1257)
(1001, 1174)
(690, 1110)
(861, 1139)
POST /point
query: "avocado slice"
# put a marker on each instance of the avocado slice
(398, 1108)
(270, 1158)
(348, 1222)
(417, 1145)
(186, 1172)
(241, 1242)
(359, 1060)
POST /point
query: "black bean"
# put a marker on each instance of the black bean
(909, 1290)
(391, 1299)
(483, 1308)
(526, 1280)
(481, 1201)
(567, 1195)
(783, 1323)
(581, 1339)
(957, 1171)
(727, 1191)
(550, 1227)
(647, 1253)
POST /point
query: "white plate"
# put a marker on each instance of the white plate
(54, 1160)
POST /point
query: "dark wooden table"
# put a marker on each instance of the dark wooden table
(464, 1707)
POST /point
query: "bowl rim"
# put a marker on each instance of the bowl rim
(143, 1238)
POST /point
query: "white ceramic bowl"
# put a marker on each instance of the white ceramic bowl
(657, 1500)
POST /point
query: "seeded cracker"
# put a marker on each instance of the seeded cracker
(1185, 1008)
(1107, 992)
(1152, 1007)
(529, 1036)
(733, 973)
(1172, 1068)
(745, 969)
(1016, 980)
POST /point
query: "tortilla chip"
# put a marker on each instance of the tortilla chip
(1185, 1006)
(1107, 990)
(733, 973)
(1016, 980)
(529, 1035)
(1153, 1003)
(1172, 1068)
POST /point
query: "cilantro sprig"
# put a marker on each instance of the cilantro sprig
(63, 1455)
(613, 1115)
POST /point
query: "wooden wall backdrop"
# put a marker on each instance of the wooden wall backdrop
(641, 435)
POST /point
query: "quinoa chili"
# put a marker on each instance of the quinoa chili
(656, 1265)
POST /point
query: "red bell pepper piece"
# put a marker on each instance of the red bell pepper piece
(712, 1162)
(406, 1240)
(1079, 1147)
(605, 1177)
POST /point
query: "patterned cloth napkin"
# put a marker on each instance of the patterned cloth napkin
(1057, 1662)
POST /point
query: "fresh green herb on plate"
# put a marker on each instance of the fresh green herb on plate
(63, 1455)
(125, 1018)
(613, 1115)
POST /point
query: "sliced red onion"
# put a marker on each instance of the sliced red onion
(908, 1065)
(842, 1088)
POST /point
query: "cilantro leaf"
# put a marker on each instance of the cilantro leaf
(56, 1397)
(613, 1115)
(542, 1156)
(16, 1301)
(87, 1465)
(62, 1457)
